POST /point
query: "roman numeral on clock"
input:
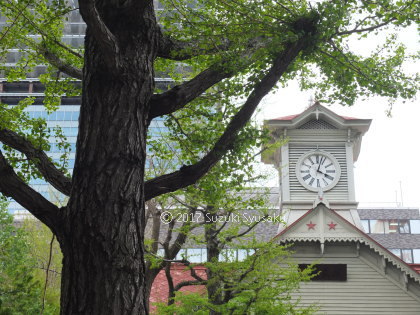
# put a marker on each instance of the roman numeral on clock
(329, 177)
(311, 181)
(306, 177)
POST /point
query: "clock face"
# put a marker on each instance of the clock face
(318, 170)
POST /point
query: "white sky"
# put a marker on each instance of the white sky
(390, 151)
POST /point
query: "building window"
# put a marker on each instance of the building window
(410, 256)
(328, 272)
(182, 254)
(401, 226)
(416, 256)
(377, 226)
(365, 224)
(407, 256)
(391, 226)
(415, 226)
(195, 255)
(396, 252)
(404, 226)
(199, 255)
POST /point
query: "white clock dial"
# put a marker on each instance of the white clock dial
(317, 170)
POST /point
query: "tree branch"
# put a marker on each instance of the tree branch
(51, 174)
(198, 280)
(168, 239)
(12, 186)
(181, 237)
(188, 175)
(188, 283)
(169, 279)
(180, 95)
(173, 49)
(246, 231)
(104, 38)
(156, 223)
(60, 64)
(367, 29)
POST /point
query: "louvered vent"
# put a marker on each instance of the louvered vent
(298, 192)
(317, 124)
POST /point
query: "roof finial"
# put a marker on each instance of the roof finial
(311, 100)
(317, 113)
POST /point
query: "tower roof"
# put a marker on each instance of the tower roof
(317, 111)
(319, 115)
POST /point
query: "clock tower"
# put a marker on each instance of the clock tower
(316, 163)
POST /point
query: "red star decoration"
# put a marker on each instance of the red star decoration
(332, 225)
(311, 226)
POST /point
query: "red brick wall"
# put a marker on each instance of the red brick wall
(179, 272)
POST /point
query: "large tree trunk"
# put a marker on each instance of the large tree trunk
(102, 242)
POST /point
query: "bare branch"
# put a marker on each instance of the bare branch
(188, 175)
(51, 174)
(105, 39)
(12, 186)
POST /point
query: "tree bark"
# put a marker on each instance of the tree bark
(213, 251)
(154, 225)
(103, 227)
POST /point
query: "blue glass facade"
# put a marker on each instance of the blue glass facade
(66, 117)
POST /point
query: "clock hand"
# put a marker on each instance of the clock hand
(321, 172)
(319, 165)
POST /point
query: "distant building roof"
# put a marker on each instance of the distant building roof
(389, 213)
(416, 267)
